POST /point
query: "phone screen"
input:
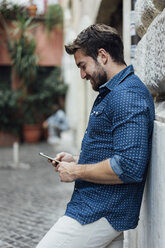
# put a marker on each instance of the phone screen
(48, 157)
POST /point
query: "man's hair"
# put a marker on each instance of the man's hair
(97, 36)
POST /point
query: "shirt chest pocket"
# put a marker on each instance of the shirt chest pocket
(97, 120)
(96, 112)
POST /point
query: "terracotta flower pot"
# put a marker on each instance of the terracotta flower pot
(32, 133)
(32, 9)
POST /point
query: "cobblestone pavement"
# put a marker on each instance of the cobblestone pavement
(31, 200)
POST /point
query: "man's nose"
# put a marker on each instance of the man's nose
(83, 74)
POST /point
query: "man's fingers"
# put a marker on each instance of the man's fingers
(54, 163)
(57, 168)
(60, 155)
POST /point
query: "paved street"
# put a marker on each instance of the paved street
(31, 200)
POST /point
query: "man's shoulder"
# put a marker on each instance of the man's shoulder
(129, 91)
(131, 84)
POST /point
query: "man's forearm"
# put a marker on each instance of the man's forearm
(97, 173)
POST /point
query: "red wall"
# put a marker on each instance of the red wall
(49, 46)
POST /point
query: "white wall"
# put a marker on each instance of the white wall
(152, 224)
(80, 96)
(150, 231)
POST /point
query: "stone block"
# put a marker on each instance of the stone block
(159, 4)
(139, 59)
(145, 12)
(155, 55)
(140, 29)
(149, 60)
(149, 13)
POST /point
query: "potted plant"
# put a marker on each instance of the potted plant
(21, 47)
(32, 117)
(53, 16)
(10, 10)
(45, 91)
(38, 96)
(11, 122)
(50, 89)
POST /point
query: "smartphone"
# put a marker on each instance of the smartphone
(48, 157)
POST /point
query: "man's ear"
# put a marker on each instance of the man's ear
(102, 56)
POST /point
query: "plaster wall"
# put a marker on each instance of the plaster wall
(150, 231)
(80, 96)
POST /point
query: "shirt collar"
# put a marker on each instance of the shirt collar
(118, 78)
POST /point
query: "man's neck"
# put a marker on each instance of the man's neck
(114, 70)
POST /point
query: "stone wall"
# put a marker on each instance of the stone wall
(150, 53)
(149, 65)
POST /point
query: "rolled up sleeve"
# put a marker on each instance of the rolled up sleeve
(130, 136)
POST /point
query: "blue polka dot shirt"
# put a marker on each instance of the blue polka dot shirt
(120, 128)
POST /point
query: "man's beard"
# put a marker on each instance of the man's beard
(97, 79)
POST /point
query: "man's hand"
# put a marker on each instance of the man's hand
(64, 156)
(66, 167)
(67, 171)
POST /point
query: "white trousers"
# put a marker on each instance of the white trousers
(69, 233)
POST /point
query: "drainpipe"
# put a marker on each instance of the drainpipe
(126, 30)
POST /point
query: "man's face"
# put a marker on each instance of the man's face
(90, 69)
